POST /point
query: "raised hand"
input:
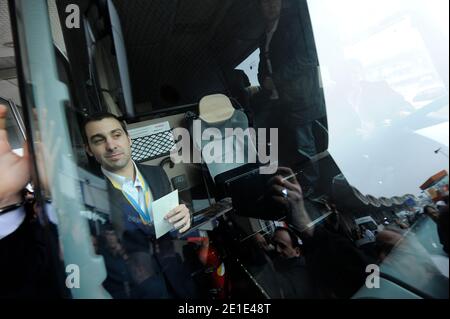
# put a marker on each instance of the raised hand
(14, 169)
(286, 191)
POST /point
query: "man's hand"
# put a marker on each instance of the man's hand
(180, 218)
(288, 193)
(14, 170)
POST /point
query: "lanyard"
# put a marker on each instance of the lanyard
(145, 216)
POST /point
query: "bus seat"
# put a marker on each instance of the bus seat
(222, 153)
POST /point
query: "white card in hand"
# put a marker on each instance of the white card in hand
(160, 209)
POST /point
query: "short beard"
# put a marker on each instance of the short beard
(115, 168)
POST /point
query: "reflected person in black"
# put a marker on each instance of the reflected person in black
(117, 282)
(171, 262)
(290, 265)
(291, 91)
(338, 222)
(146, 283)
(337, 267)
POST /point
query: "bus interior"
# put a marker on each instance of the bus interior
(353, 127)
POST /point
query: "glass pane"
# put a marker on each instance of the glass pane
(386, 88)
(221, 112)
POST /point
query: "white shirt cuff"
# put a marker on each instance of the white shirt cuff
(9, 222)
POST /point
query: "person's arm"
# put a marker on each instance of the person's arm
(301, 63)
(288, 193)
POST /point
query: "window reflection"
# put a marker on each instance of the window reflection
(308, 229)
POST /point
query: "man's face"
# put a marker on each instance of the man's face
(109, 144)
(271, 9)
(283, 245)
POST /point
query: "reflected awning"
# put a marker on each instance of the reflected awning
(434, 179)
(348, 196)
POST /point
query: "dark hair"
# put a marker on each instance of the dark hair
(295, 240)
(98, 117)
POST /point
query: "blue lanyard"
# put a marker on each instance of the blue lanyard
(145, 217)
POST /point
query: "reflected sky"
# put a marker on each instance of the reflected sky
(379, 76)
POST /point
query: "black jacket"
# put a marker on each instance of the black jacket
(295, 66)
(137, 237)
(30, 266)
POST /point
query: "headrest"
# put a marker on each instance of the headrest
(215, 108)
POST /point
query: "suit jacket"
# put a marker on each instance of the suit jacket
(294, 60)
(136, 237)
(123, 216)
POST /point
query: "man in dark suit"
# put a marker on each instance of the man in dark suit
(290, 79)
(132, 188)
(292, 273)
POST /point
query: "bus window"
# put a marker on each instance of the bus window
(184, 146)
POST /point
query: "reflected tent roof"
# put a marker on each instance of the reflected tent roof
(350, 197)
